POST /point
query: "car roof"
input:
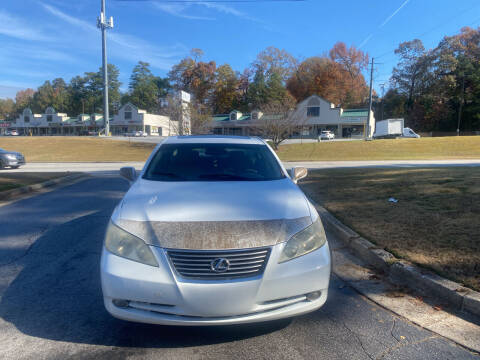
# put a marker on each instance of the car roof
(213, 139)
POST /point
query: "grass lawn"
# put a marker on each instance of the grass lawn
(76, 149)
(85, 149)
(14, 180)
(435, 224)
(463, 147)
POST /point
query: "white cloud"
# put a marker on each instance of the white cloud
(127, 46)
(177, 10)
(15, 27)
(387, 19)
(70, 19)
(393, 14)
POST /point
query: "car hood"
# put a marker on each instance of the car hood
(213, 215)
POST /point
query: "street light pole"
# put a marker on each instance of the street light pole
(103, 24)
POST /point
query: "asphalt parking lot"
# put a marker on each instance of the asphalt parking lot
(51, 305)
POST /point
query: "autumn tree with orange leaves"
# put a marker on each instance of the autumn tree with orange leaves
(337, 78)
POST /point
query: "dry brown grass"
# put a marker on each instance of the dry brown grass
(435, 224)
(14, 180)
(76, 149)
(463, 147)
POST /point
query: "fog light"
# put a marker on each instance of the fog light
(120, 303)
(313, 295)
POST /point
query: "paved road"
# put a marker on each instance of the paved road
(51, 305)
(110, 168)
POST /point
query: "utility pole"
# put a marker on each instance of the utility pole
(103, 24)
(367, 132)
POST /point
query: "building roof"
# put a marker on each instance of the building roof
(355, 113)
(226, 117)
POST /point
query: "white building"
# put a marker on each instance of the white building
(130, 118)
(314, 114)
(49, 123)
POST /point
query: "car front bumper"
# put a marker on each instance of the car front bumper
(12, 162)
(158, 295)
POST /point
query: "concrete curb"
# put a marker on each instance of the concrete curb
(10, 194)
(402, 272)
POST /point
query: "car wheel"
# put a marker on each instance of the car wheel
(15, 167)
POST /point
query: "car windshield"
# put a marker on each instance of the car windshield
(213, 162)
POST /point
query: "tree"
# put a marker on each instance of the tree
(7, 108)
(410, 75)
(143, 87)
(270, 71)
(23, 99)
(280, 120)
(393, 105)
(163, 85)
(353, 60)
(60, 95)
(257, 91)
(275, 61)
(195, 77)
(77, 95)
(327, 78)
(43, 97)
(85, 93)
(225, 92)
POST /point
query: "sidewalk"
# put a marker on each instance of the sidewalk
(111, 167)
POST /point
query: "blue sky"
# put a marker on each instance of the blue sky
(45, 39)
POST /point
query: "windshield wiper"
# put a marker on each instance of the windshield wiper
(167, 174)
(225, 177)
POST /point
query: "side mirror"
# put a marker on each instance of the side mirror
(128, 173)
(298, 173)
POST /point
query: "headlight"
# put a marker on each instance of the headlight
(304, 242)
(11, 157)
(126, 245)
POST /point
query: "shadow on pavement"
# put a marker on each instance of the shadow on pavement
(57, 295)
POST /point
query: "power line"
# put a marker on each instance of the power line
(213, 1)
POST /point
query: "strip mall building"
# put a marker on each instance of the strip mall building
(128, 119)
(314, 115)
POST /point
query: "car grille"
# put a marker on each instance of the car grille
(197, 264)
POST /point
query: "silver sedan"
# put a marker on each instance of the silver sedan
(213, 231)
(11, 159)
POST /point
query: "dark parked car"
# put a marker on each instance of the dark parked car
(11, 158)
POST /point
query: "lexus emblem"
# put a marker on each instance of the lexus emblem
(220, 265)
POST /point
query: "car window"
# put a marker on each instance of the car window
(213, 162)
